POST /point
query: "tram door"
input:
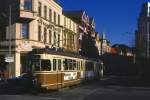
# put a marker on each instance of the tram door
(57, 66)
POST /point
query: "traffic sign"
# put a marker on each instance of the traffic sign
(9, 59)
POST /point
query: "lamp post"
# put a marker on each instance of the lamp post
(9, 54)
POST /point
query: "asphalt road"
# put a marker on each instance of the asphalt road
(92, 91)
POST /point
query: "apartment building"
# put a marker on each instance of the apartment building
(98, 42)
(33, 24)
(86, 33)
(143, 32)
(69, 34)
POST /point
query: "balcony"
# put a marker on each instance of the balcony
(26, 10)
(27, 15)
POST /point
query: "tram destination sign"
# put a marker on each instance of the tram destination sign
(9, 59)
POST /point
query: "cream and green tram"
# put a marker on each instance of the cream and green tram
(58, 70)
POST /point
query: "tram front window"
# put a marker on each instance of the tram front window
(34, 64)
(41, 65)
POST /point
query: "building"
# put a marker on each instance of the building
(32, 24)
(121, 49)
(98, 42)
(86, 33)
(105, 45)
(69, 34)
(28, 25)
(143, 32)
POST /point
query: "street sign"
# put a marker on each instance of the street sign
(9, 59)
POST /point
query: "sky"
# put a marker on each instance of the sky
(117, 18)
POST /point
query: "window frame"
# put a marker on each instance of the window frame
(40, 9)
(45, 12)
(26, 35)
(27, 6)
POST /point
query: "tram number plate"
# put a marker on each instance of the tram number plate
(70, 76)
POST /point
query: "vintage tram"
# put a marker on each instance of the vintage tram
(55, 70)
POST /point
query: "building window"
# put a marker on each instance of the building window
(55, 17)
(55, 38)
(40, 9)
(58, 40)
(70, 40)
(45, 12)
(27, 4)
(50, 36)
(25, 31)
(58, 19)
(73, 40)
(64, 21)
(69, 23)
(74, 27)
(45, 35)
(39, 33)
(64, 37)
(50, 15)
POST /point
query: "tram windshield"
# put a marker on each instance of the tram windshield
(41, 65)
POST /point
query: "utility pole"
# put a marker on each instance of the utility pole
(102, 46)
(148, 40)
(10, 69)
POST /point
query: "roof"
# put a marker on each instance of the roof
(74, 15)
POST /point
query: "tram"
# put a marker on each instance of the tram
(55, 70)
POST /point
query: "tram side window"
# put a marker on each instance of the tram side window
(59, 64)
(74, 65)
(78, 66)
(54, 64)
(65, 64)
(70, 64)
(82, 65)
(45, 65)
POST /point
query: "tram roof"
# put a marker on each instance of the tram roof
(60, 52)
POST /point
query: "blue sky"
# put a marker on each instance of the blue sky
(117, 18)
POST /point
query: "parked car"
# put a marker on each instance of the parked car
(23, 83)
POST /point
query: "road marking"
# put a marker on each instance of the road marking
(50, 98)
(88, 94)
